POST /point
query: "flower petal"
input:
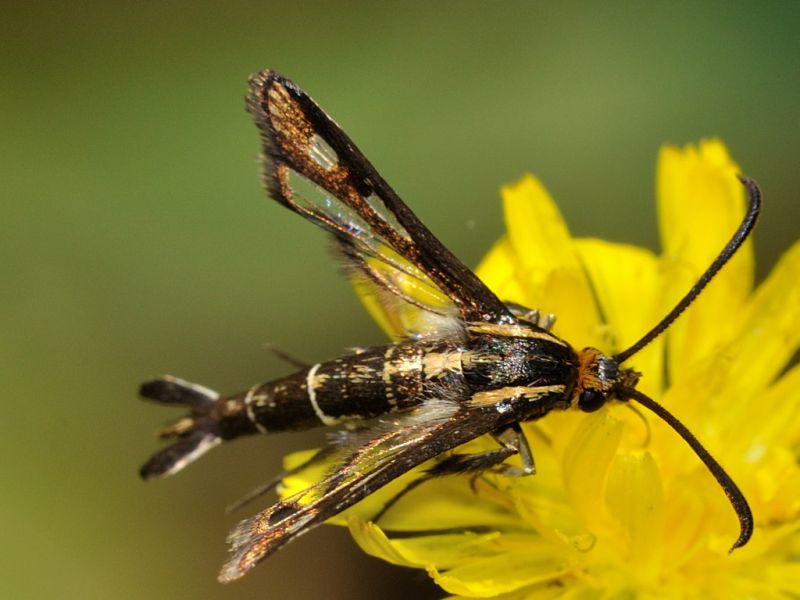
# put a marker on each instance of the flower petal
(536, 228)
(585, 462)
(520, 565)
(635, 499)
(700, 204)
(775, 418)
(374, 542)
(626, 281)
(447, 503)
(548, 590)
(498, 270)
(433, 551)
(769, 330)
(784, 577)
(547, 263)
(627, 284)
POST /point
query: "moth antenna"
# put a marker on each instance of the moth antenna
(732, 491)
(742, 233)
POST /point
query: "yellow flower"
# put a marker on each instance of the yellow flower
(620, 507)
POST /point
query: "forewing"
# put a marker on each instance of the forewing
(304, 149)
(435, 428)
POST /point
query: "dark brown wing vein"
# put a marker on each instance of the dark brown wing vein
(364, 211)
(367, 469)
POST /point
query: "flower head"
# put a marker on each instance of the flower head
(620, 507)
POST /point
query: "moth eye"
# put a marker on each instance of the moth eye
(591, 400)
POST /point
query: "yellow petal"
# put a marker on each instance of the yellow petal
(775, 417)
(374, 542)
(686, 516)
(567, 295)
(446, 503)
(548, 266)
(536, 229)
(770, 330)
(300, 481)
(544, 591)
(700, 204)
(635, 500)
(498, 270)
(767, 422)
(774, 486)
(626, 281)
(439, 551)
(724, 588)
(585, 462)
(627, 284)
(784, 577)
(511, 570)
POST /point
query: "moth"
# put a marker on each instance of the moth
(470, 366)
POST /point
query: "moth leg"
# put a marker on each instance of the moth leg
(532, 315)
(286, 357)
(512, 441)
(513, 438)
(547, 321)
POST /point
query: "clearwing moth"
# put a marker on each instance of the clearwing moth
(471, 365)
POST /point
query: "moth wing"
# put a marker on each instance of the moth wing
(312, 167)
(399, 297)
(434, 428)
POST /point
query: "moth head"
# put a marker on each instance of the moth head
(598, 378)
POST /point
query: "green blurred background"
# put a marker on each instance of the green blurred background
(136, 239)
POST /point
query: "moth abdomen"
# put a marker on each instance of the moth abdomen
(368, 384)
(210, 421)
(365, 385)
